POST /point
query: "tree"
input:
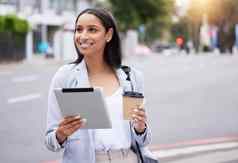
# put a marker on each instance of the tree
(222, 13)
(153, 14)
(158, 28)
(194, 20)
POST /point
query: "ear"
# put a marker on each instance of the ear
(109, 35)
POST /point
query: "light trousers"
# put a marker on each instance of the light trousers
(116, 156)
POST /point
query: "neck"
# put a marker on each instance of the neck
(96, 66)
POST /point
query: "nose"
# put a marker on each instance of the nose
(83, 35)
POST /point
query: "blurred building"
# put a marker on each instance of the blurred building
(51, 21)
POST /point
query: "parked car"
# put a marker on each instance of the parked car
(160, 46)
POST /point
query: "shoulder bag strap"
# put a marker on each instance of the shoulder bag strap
(127, 70)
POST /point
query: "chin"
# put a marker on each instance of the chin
(86, 53)
(83, 51)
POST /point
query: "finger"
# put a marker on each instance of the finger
(141, 108)
(139, 113)
(70, 116)
(138, 118)
(76, 126)
(65, 120)
(136, 110)
(69, 119)
(72, 124)
(70, 130)
(75, 123)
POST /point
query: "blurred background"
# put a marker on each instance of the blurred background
(187, 49)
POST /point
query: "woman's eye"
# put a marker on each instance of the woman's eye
(79, 29)
(93, 30)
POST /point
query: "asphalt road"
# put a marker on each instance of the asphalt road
(188, 98)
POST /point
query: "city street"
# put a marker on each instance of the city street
(191, 102)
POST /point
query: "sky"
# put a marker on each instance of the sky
(182, 5)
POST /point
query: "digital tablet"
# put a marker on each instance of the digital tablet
(89, 103)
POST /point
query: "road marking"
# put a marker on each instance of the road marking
(23, 98)
(52, 161)
(194, 149)
(25, 78)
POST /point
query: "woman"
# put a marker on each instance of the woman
(98, 64)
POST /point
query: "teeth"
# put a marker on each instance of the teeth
(83, 45)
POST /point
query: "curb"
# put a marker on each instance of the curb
(170, 153)
(195, 146)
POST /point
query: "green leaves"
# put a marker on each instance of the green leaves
(133, 13)
(2, 24)
(10, 23)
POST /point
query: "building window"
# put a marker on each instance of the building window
(69, 5)
(54, 4)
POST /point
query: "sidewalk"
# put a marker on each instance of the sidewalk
(37, 60)
(213, 150)
(228, 156)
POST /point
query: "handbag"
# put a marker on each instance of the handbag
(143, 153)
(146, 156)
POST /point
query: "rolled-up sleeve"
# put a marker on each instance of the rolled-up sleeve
(52, 143)
(53, 112)
(142, 139)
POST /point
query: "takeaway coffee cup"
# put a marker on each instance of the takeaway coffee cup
(131, 100)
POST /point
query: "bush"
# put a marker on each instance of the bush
(13, 24)
(2, 24)
(13, 32)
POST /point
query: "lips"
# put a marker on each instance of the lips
(85, 45)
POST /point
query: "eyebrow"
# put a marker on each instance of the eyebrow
(87, 26)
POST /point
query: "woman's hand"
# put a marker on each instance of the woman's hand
(68, 126)
(139, 119)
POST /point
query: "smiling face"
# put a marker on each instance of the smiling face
(91, 36)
